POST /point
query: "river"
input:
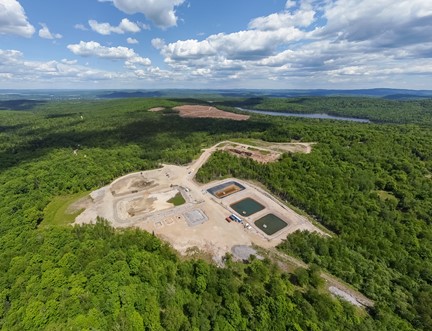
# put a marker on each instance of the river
(320, 116)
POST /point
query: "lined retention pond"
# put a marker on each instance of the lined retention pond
(270, 224)
(247, 207)
(225, 189)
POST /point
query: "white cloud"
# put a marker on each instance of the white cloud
(45, 33)
(155, 74)
(290, 4)
(309, 43)
(80, 27)
(93, 48)
(125, 26)
(7, 76)
(132, 41)
(128, 26)
(265, 35)
(158, 43)
(160, 12)
(385, 22)
(247, 45)
(66, 61)
(357, 40)
(9, 56)
(13, 19)
(135, 61)
(204, 72)
(16, 71)
(301, 18)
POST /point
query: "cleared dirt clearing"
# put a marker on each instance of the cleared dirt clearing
(141, 200)
(156, 109)
(198, 111)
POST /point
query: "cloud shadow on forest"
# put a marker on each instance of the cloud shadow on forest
(22, 104)
(143, 132)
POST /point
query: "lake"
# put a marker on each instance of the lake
(320, 116)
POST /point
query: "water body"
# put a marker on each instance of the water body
(270, 224)
(320, 116)
(247, 207)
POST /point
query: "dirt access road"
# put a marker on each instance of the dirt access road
(294, 147)
(332, 283)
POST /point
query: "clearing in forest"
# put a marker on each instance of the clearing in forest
(264, 152)
(171, 204)
(156, 109)
(198, 111)
(153, 201)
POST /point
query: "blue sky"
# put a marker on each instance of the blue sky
(147, 44)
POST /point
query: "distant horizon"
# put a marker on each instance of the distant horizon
(208, 94)
(215, 89)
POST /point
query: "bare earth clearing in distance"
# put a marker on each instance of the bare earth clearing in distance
(156, 109)
(198, 111)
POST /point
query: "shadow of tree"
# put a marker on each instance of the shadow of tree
(249, 102)
(22, 104)
(145, 132)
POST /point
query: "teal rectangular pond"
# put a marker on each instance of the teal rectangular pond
(270, 224)
(247, 207)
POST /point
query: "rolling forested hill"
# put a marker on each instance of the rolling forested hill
(371, 184)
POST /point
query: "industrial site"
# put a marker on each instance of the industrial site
(214, 217)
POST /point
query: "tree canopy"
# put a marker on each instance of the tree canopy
(368, 183)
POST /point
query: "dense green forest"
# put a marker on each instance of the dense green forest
(368, 183)
(375, 109)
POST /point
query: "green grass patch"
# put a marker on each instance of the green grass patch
(56, 213)
(384, 195)
(178, 200)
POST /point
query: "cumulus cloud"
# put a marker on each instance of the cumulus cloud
(290, 4)
(385, 22)
(66, 61)
(13, 19)
(9, 56)
(247, 45)
(161, 12)
(329, 41)
(16, 70)
(309, 43)
(301, 18)
(45, 33)
(132, 41)
(158, 43)
(80, 27)
(262, 38)
(125, 26)
(93, 48)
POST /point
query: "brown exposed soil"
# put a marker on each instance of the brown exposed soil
(208, 112)
(156, 109)
(257, 154)
(228, 191)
